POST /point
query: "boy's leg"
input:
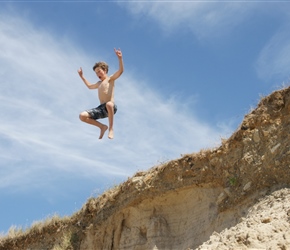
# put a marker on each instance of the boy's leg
(110, 109)
(85, 117)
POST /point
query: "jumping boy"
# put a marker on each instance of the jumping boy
(105, 86)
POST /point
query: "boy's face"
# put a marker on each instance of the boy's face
(101, 73)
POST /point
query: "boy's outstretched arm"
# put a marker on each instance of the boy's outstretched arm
(121, 65)
(87, 83)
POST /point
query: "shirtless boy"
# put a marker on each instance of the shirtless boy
(105, 86)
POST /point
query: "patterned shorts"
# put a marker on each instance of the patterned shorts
(100, 111)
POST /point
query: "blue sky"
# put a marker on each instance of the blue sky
(193, 69)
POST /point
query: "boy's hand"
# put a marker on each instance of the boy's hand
(80, 71)
(118, 53)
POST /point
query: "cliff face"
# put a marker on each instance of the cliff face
(203, 200)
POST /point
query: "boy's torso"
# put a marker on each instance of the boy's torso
(106, 90)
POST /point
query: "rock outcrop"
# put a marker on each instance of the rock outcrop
(212, 199)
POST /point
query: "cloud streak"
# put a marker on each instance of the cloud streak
(41, 96)
(214, 19)
(273, 62)
(204, 19)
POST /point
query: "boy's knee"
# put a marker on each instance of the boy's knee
(82, 116)
(110, 105)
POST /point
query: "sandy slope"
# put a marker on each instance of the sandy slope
(235, 196)
(266, 226)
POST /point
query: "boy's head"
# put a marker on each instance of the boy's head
(101, 69)
(102, 65)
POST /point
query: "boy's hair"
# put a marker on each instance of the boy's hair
(104, 66)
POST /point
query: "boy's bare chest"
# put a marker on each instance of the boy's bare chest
(105, 87)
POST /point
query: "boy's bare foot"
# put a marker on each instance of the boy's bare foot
(103, 130)
(111, 134)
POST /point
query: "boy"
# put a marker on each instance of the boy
(105, 86)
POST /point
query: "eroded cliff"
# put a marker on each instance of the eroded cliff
(194, 202)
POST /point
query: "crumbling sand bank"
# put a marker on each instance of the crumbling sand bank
(235, 196)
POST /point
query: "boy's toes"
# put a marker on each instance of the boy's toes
(111, 134)
(103, 130)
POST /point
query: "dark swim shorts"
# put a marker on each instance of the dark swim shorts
(100, 111)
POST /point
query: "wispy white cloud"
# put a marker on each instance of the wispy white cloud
(212, 19)
(273, 63)
(41, 96)
(204, 19)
